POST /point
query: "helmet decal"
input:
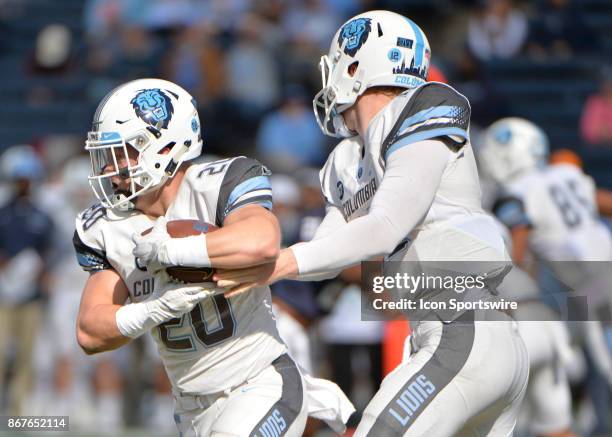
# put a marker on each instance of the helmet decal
(404, 42)
(503, 135)
(411, 69)
(154, 107)
(355, 32)
(420, 49)
(394, 55)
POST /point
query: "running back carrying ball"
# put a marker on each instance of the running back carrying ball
(182, 229)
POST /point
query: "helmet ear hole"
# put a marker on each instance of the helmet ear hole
(353, 68)
(167, 148)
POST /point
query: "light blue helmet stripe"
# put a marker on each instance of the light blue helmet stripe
(419, 51)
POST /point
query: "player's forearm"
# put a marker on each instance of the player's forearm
(252, 241)
(348, 246)
(97, 329)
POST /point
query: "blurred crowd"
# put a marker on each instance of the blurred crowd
(253, 63)
(252, 67)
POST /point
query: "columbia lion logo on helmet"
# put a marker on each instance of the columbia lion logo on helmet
(153, 107)
(355, 32)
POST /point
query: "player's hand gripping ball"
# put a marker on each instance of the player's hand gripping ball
(176, 229)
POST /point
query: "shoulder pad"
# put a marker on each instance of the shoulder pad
(245, 182)
(87, 240)
(434, 110)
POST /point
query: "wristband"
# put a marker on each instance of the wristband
(188, 251)
(134, 319)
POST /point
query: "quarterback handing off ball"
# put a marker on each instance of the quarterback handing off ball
(182, 229)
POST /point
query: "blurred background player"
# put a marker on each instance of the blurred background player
(547, 408)
(26, 234)
(551, 211)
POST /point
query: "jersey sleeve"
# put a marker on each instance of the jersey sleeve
(245, 182)
(434, 111)
(87, 240)
(331, 186)
(325, 177)
(510, 210)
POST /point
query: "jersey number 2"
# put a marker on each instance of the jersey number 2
(209, 337)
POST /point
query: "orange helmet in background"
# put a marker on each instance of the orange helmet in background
(436, 75)
(565, 156)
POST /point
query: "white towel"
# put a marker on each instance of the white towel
(328, 403)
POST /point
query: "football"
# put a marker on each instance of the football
(182, 229)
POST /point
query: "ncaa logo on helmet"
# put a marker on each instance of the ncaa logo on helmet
(154, 107)
(355, 32)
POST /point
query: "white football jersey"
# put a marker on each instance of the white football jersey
(559, 204)
(221, 342)
(354, 170)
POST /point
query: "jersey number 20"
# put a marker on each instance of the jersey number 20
(209, 337)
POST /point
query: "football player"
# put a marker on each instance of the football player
(559, 200)
(547, 409)
(551, 211)
(404, 185)
(229, 369)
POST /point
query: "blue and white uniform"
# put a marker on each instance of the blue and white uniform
(560, 206)
(227, 364)
(558, 203)
(411, 189)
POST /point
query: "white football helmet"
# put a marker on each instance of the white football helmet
(511, 146)
(159, 120)
(376, 48)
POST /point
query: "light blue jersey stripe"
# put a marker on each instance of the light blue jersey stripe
(265, 203)
(256, 183)
(425, 114)
(426, 135)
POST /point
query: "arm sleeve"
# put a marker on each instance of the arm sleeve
(246, 182)
(405, 195)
